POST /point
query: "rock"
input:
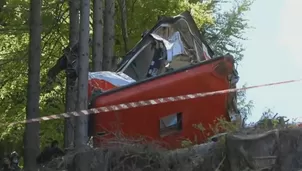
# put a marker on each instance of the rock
(279, 150)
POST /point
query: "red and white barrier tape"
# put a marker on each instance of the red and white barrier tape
(136, 104)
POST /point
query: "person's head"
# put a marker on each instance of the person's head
(54, 143)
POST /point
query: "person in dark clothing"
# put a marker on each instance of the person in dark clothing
(14, 159)
(6, 164)
(50, 153)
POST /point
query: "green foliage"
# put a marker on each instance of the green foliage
(272, 120)
(226, 36)
(186, 143)
(13, 64)
(142, 15)
(219, 125)
(245, 107)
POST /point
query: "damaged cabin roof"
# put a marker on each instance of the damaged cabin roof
(190, 27)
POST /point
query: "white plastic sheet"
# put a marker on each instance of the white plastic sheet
(174, 45)
(116, 78)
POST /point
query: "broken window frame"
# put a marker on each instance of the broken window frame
(172, 128)
(197, 43)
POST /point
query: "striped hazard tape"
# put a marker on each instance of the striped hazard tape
(137, 104)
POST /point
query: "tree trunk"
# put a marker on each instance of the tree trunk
(31, 135)
(81, 134)
(109, 33)
(97, 42)
(123, 9)
(70, 83)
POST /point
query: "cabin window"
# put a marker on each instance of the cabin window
(170, 124)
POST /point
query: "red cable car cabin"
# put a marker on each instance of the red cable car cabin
(152, 78)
